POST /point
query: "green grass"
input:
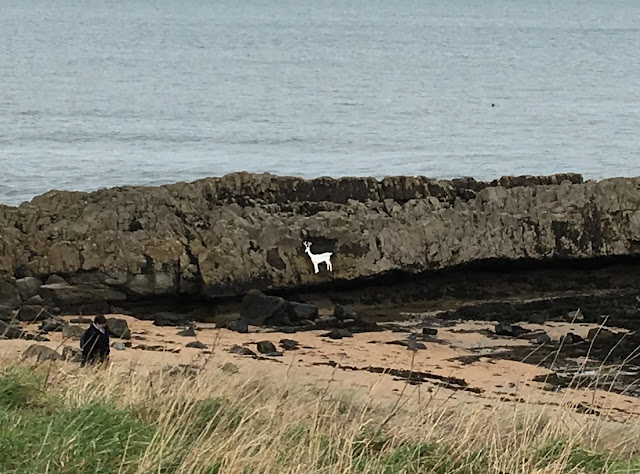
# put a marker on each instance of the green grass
(102, 423)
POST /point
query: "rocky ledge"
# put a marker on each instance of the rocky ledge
(220, 237)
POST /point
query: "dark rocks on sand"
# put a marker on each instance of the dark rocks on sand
(240, 350)
(72, 354)
(189, 332)
(72, 331)
(169, 319)
(289, 344)
(118, 328)
(409, 343)
(513, 330)
(430, 331)
(342, 312)
(52, 325)
(543, 339)
(41, 353)
(196, 345)
(10, 332)
(31, 313)
(571, 338)
(266, 347)
(338, 333)
(536, 318)
(602, 337)
(239, 325)
(81, 321)
(261, 310)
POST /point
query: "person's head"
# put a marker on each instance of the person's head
(100, 321)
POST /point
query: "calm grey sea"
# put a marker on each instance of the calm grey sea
(110, 92)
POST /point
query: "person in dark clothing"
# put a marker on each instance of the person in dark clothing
(95, 342)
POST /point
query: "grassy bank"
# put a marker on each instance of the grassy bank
(61, 419)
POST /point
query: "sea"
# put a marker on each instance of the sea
(143, 92)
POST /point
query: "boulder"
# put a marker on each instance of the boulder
(28, 287)
(239, 325)
(337, 333)
(512, 330)
(51, 325)
(189, 332)
(36, 300)
(41, 353)
(266, 347)
(429, 331)
(74, 296)
(9, 294)
(10, 332)
(169, 319)
(602, 337)
(258, 309)
(571, 338)
(72, 354)
(241, 350)
(289, 344)
(56, 279)
(543, 339)
(6, 313)
(409, 344)
(72, 331)
(196, 345)
(536, 318)
(81, 321)
(32, 313)
(302, 311)
(119, 346)
(342, 312)
(118, 328)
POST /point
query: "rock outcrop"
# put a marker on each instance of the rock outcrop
(220, 237)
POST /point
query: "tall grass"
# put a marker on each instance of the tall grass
(62, 419)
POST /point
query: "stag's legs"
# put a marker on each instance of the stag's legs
(315, 267)
(329, 266)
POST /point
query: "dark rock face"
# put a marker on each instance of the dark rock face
(31, 313)
(341, 313)
(118, 328)
(429, 331)
(142, 242)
